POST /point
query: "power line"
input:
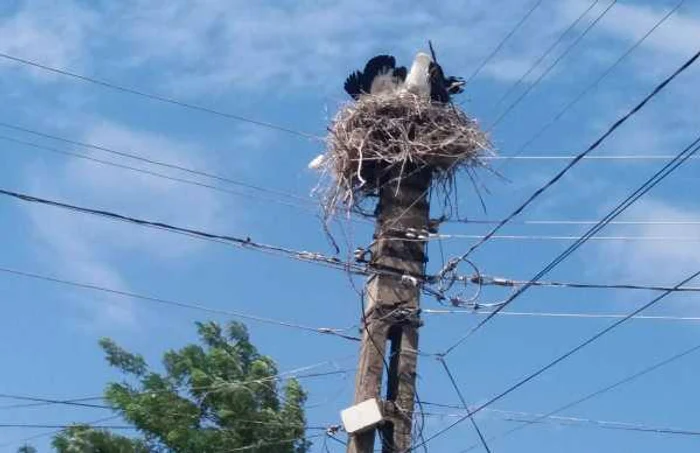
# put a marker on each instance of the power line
(77, 403)
(563, 357)
(504, 40)
(543, 237)
(529, 89)
(148, 160)
(179, 304)
(561, 315)
(585, 222)
(597, 81)
(649, 184)
(453, 263)
(500, 281)
(626, 380)
(609, 158)
(546, 53)
(531, 418)
(482, 439)
(240, 242)
(163, 176)
(155, 97)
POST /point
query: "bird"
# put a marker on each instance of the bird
(380, 76)
(427, 79)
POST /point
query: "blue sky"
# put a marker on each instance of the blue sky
(284, 63)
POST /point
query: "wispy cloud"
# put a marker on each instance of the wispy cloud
(89, 249)
(55, 33)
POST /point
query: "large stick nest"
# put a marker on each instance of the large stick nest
(374, 136)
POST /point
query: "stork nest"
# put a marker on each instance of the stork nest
(371, 138)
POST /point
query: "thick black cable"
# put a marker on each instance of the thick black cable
(454, 262)
(619, 209)
(563, 357)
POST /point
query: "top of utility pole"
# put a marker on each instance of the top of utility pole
(400, 138)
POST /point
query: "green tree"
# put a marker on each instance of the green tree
(84, 439)
(216, 396)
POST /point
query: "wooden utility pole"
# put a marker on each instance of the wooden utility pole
(391, 316)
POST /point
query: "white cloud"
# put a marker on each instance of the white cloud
(653, 261)
(678, 36)
(90, 249)
(54, 33)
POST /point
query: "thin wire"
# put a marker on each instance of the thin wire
(53, 433)
(544, 237)
(503, 41)
(563, 357)
(148, 160)
(482, 439)
(601, 391)
(562, 315)
(174, 303)
(500, 281)
(588, 222)
(296, 205)
(516, 416)
(621, 157)
(62, 427)
(35, 399)
(546, 53)
(597, 81)
(156, 97)
(566, 52)
(576, 160)
(649, 184)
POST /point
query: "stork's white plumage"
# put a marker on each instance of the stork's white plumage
(317, 162)
(418, 78)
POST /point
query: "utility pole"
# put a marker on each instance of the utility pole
(391, 318)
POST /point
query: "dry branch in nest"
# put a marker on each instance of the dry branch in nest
(372, 137)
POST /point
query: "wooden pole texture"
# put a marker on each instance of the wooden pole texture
(391, 317)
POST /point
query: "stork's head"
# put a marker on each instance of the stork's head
(423, 59)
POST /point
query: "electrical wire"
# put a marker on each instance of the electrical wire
(155, 97)
(537, 81)
(179, 304)
(482, 439)
(544, 237)
(504, 41)
(562, 357)
(588, 222)
(239, 242)
(296, 204)
(659, 88)
(597, 81)
(649, 184)
(609, 158)
(500, 281)
(560, 315)
(619, 383)
(546, 53)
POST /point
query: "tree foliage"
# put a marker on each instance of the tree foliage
(84, 439)
(216, 396)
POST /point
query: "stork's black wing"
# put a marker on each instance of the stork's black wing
(353, 85)
(438, 91)
(381, 64)
(400, 73)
